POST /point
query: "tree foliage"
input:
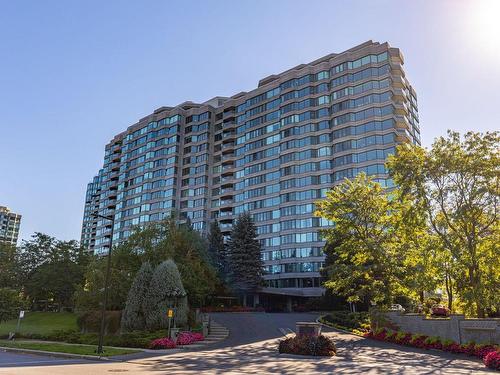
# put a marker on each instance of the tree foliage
(218, 250)
(165, 291)
(245, 272)
(438, 228)
(363, 259)
(10, 269)
(456, 183)
(134, 316)
(50, 269)
(10, 303)
(153, 243)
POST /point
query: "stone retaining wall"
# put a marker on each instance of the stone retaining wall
(456, 327)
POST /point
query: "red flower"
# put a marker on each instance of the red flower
(489, 353)
(492, 360)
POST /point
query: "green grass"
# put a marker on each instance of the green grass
(64, 348)
(41, 323)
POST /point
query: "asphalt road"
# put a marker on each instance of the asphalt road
(247, 328)
(251, 349)
(12, 359)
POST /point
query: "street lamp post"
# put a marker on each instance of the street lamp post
(106, 283)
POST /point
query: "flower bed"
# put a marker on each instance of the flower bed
(490, 354)
(308, 345)
(492, 360)
(187, 338)
(163, 343)
(184, 338)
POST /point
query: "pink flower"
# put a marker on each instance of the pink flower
(187, 338)
(163, 343)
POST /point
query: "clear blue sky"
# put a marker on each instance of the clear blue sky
(75, 73)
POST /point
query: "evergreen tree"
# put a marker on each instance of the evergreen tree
(134, 315)
(165, 291)
(217, 250)
(244, 256)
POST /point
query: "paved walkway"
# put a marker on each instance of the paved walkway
(251, 349)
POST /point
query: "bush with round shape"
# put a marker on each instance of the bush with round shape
(308, 345)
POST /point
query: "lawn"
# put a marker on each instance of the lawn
(64, 348)
(41, 323)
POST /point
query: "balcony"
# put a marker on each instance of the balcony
(226, 191)
(229, 135)
(228, 156)
(225, 202)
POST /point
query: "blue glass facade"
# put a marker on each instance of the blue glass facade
(272, 151)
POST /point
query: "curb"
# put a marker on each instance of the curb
(303, 356)
(56, 354)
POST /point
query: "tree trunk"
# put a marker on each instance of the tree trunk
(244, 300)
(449, 290)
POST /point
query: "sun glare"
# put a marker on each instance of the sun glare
(484, 26)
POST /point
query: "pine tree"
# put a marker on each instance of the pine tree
(165, 291)
(217, 250)
(133, 317)
(244, 256)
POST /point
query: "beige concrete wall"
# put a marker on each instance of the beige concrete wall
(456, 327)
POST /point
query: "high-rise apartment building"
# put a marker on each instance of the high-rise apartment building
(272, 151)
(9, 225)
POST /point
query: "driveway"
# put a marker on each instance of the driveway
(251, 349)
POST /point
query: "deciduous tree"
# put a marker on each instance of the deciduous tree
(456, 182)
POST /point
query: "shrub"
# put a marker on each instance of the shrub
(187, 338)
(483, 350)
(166, 290)
(136, 339)
(433, 342)
(348, 320)
(133, 315)
(10, 304)
(308, 345)
(90, 321)
(163, 343)
(418, 341)
(492, 360)
(403, 338)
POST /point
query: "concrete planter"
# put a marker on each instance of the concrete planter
(308, 328)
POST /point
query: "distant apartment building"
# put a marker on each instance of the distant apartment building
(9, 225)
(272, 151)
